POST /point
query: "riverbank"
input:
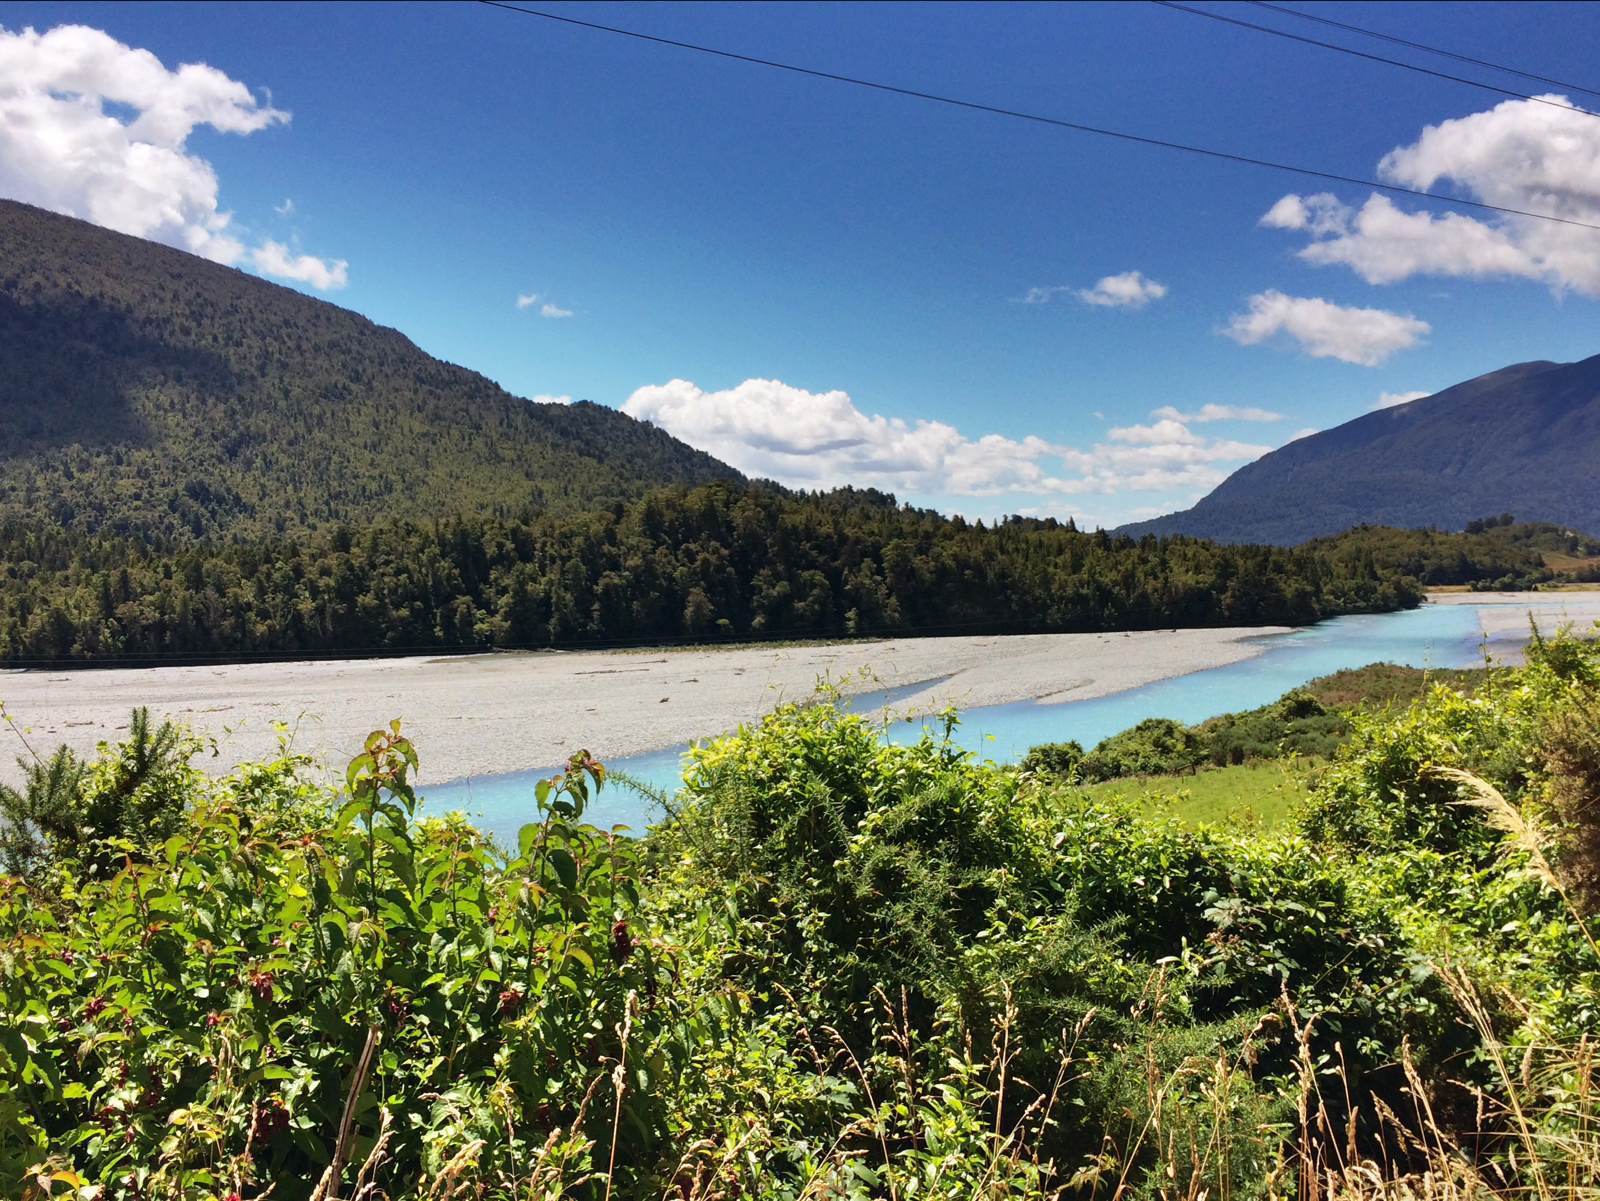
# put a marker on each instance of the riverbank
(1504, 616)
(486, 714)
(494, 714)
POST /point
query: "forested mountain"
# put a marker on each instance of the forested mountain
(718, 561)
(149, 392)
(1525, 439)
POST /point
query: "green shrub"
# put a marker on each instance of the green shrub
(1157, 746)
(1058, 759)
(194, 1024)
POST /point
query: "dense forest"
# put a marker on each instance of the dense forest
(718, 561)
(148, 392)
(1491, 552)
(845, 969)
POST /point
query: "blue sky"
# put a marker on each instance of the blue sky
(830, 285)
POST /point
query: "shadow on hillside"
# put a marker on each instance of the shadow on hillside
(71, 365)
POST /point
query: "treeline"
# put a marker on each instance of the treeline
(1492, 552)
(720, 561)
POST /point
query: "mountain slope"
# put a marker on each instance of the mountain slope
(144, 390)
(1524, 440)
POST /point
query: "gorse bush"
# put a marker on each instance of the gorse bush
(843, 969)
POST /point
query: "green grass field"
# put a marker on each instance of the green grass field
(1258, 796)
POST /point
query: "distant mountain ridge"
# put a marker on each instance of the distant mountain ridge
(1524, 440)
(146, 391)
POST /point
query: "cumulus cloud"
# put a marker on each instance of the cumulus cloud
(128, 166)
(274, 258)
(1130, 290)
(1321, 214)
(1388, 400)
(1521, 154)
(1159, 432)
(822, 440)
(553, 310)
(1214, 412)
(1326, 330)
(544, 398)
(526, 300)
(1384, 244)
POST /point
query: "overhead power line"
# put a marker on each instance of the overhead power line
(1371, 58)
(1398, 41)
(1037, 118)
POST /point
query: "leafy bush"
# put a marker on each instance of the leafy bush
(1059, 759)
(263, 1002)
(1571, 758)
(1157, 746)
(1297, 724)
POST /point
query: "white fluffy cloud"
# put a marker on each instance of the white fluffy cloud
(544, 398)
(1130, 290)
(1388, 400)
(1326, 330)
(526, 300)
(1520, 154)
(822, 440)
(1215, 412)
(553, 310)
(274, 258)
(127, 167)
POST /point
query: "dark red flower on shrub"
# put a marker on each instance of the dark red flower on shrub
(261, 984)
(95, 1007)
(510, 1001)
(271, 1118)
(621, 942)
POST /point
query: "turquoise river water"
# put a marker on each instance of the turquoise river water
(1438, 636)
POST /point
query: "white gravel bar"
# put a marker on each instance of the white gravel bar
(477, 714)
